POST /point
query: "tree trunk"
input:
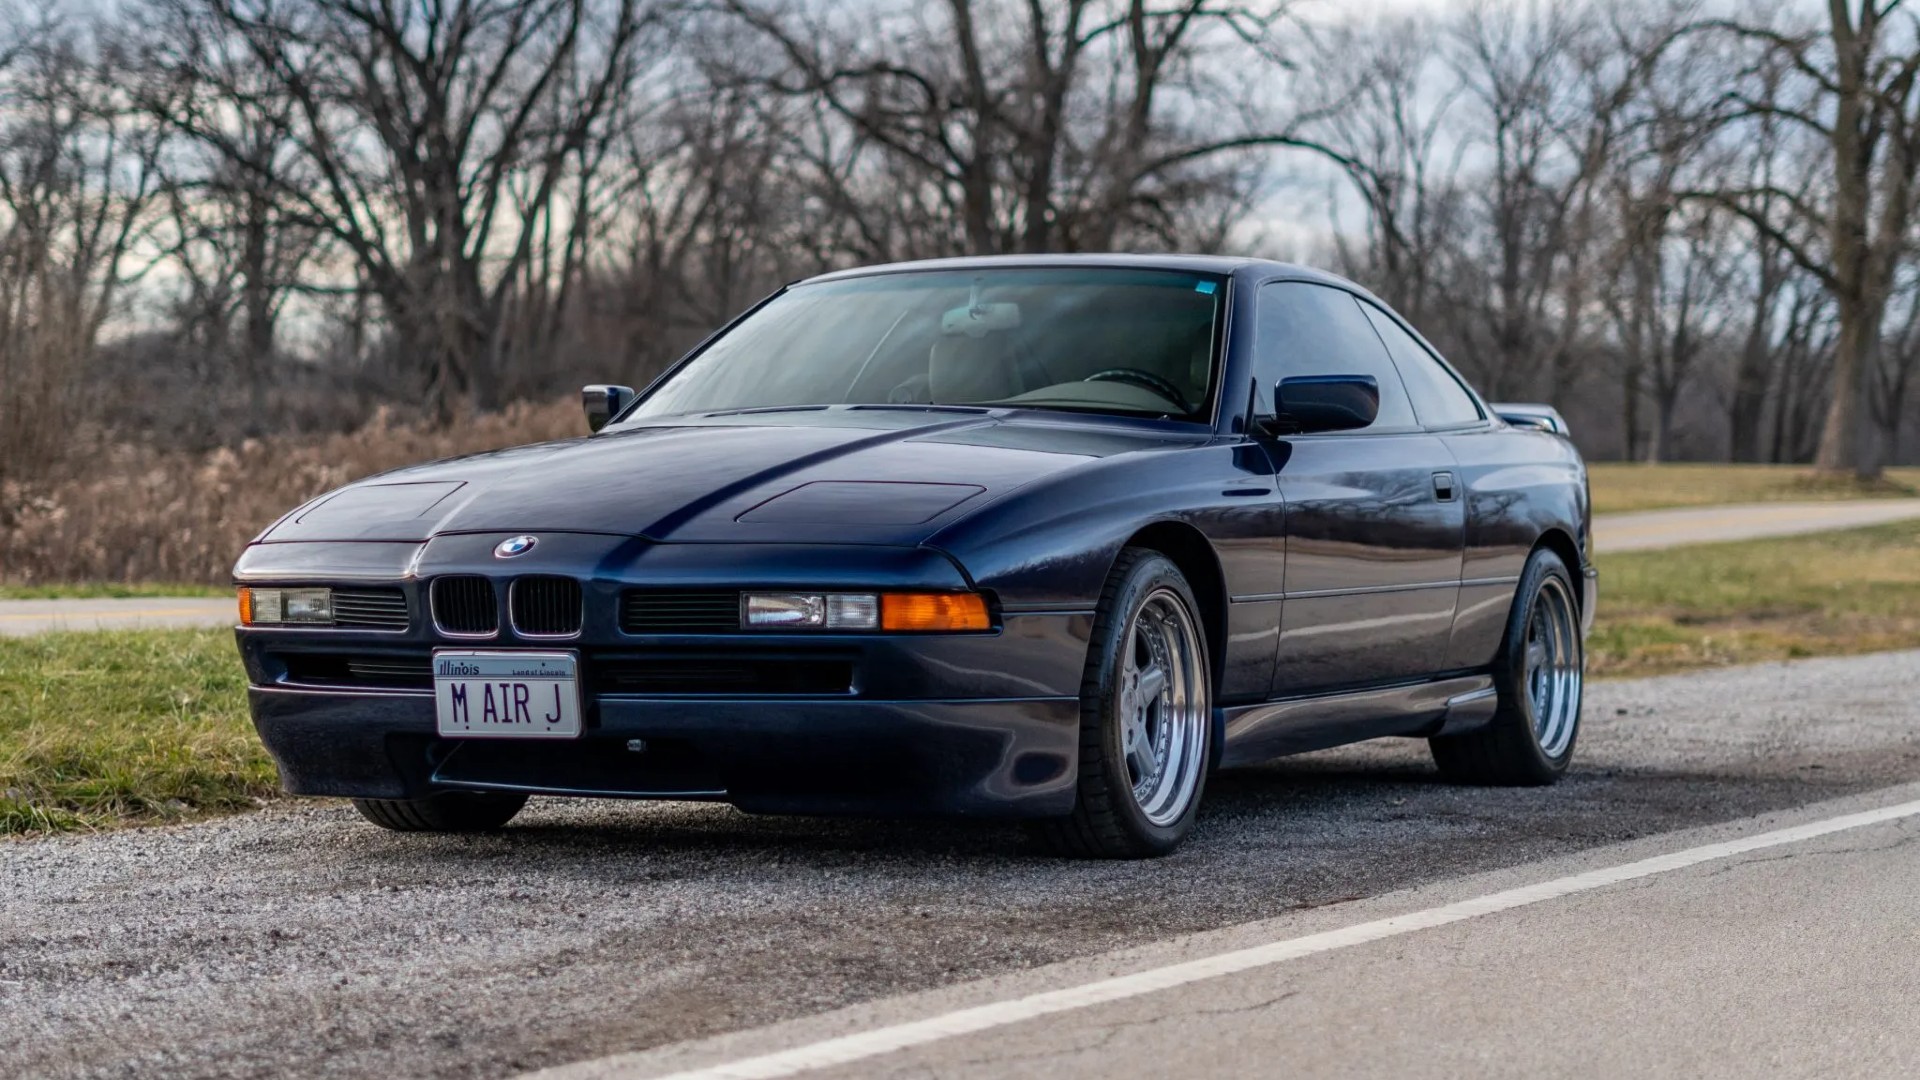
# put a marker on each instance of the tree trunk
(1841, 440)
(258, 300)
(1630, 411)
(1660, 442)
(1750, 379)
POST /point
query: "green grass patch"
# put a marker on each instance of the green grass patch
(1622, 487)
(1712, 604)
(94, 590)
(116, 727)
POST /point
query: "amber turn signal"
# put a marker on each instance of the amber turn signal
(933, 611)
(246, 606)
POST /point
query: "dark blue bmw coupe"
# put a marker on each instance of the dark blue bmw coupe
(1050, 538)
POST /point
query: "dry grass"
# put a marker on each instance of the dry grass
(124, 514)
(1620, 487)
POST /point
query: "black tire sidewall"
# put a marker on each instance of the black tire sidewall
(1150, 572)
(445, 812)
(1516, 704)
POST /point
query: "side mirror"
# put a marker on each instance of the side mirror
(603, 402)
(1306, 404)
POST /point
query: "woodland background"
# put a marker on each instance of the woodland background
(250, 249)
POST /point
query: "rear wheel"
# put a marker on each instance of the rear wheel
(1539, 675)
(1145, 717)
(454, 811)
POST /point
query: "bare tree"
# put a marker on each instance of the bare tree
(1072, 125)
(1856, 94)
(1773, 159)
(77, 171)
(434, 144)
(239, 263)
(1548, 93)
(1386, 113)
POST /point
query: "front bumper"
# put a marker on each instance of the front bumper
(996, 758)
(975, 724)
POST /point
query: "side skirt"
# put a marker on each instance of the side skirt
(1256, 733)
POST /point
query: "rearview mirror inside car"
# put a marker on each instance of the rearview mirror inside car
(603, 402)
(1306, 404)
(979, 320)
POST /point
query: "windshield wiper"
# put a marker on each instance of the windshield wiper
(1097, 410)
(755, 410)
(765, 409)
(923, 406)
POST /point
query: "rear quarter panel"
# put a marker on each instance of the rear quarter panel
(1520, 486)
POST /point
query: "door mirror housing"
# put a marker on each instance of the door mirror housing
(603, 402)
(1307, 404)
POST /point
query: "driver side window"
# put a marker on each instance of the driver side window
(1308, 329)
(1437, 395)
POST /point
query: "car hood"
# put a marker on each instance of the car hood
(834, 475)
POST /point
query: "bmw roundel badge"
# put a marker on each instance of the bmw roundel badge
(516, 545)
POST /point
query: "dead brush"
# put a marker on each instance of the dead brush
(117, 512)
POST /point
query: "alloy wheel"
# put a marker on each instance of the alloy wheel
(1162, 706)
(1554, 667)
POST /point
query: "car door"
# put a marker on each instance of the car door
(1494, 467)
(1374, 523)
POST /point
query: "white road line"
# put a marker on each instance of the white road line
(868, 1044)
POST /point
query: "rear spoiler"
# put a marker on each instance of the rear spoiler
(1538, 417)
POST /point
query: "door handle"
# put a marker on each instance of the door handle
(1443, 488)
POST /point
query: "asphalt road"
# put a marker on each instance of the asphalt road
(1792, 958)
(297, 941)
(1612, 532)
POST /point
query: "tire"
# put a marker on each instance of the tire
(453, 812)
(1143, 759)
(1539, 675)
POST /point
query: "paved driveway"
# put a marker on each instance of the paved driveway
(1707, 524)
(19, 618)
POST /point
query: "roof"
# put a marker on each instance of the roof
(1203, 264)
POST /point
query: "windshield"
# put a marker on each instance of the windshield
(1131, 341)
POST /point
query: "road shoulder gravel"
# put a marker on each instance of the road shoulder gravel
(298, 940)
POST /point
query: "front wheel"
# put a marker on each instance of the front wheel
(1539, 675)
(1145, 717)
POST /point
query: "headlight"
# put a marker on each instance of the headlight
(286, 607)
(810, 611)
(898, 612)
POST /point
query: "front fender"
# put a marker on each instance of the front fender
(1050, 546)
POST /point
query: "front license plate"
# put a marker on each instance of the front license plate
(512, 695)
